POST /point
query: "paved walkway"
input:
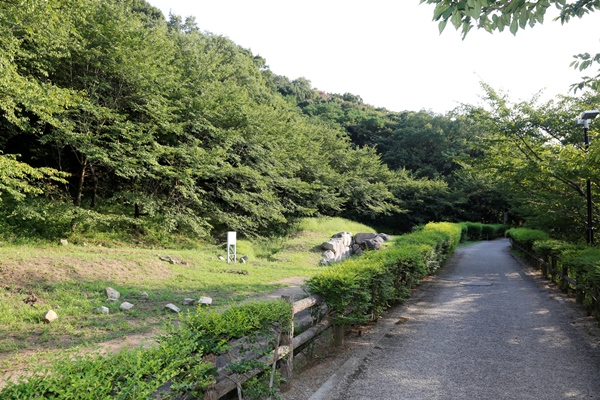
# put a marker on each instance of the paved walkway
(481, 329)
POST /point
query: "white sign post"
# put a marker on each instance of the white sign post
(231, 247)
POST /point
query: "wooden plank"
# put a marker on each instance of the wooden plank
(307, 302)
(227, 385)
(312, 332)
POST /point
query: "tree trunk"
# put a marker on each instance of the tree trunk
(78, 192)
(95, 192)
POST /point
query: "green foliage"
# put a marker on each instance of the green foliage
(514, 15)
(138, 373)
(236, 322)
(360, 289)
(536, 155)
(131, 374)
(550, 247)
(501, 14)
(526, 237)
(17, 179)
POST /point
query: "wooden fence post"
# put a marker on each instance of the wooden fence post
(553, 270)
(564, 281)
(544, 267)
(286, 364)
(211, 392)
(338, 335)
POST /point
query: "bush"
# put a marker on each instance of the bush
(360, 289)
(526, 237)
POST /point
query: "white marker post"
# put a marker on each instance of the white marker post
(231, 247)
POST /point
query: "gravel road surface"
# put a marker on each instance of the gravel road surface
(481, 329)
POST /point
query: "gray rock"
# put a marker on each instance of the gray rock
(360, 238)
(205, 301)
(64, 242)
(356, 248)
(244, 259)
(345, 237)
(144, 294)
(329, 255)
(324, 262)
(220, 257)
(187, 301)
(327, 246)
(112, 293)
(126, 306)
(371, 244)
(50, 316)
(102, 310)
(378, 239)
(359, 252)
(385, 237)
(172, 307)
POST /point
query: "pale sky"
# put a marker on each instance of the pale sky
(390, 52)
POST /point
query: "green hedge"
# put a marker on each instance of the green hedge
(359, 289)
(580, 261)
(138, 373)
(478, 231)
(526, 237)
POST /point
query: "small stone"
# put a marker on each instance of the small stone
(221, 258)
(144, 294)
(205, 301)
(112, 293)
(102, 310)
(324, 262)
(50, 316)
(187, 301)
(126, 306)
(172, 307)
(64, 242)
(244, 259)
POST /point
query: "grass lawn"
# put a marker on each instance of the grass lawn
(71, 280)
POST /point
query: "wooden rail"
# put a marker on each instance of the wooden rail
(553, 268)
(283, 356)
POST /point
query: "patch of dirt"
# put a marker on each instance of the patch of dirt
(48, 270)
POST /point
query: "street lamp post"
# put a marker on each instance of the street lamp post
(585, 119)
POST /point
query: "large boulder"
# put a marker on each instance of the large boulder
(371, 244)
(360, 238)
(346, 238)
(385, 237)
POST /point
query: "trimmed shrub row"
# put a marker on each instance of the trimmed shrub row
(478, 231)
(360, 289)
(581, 262)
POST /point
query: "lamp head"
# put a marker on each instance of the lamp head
(590, 114)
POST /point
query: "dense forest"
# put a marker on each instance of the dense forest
(116, 119)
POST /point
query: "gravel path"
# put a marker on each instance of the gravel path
(481, 329)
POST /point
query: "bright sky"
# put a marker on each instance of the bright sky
(390, 52)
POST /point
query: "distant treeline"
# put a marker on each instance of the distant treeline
(114, 118)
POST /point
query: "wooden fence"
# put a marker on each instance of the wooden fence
(553, 269)
(282, 356)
